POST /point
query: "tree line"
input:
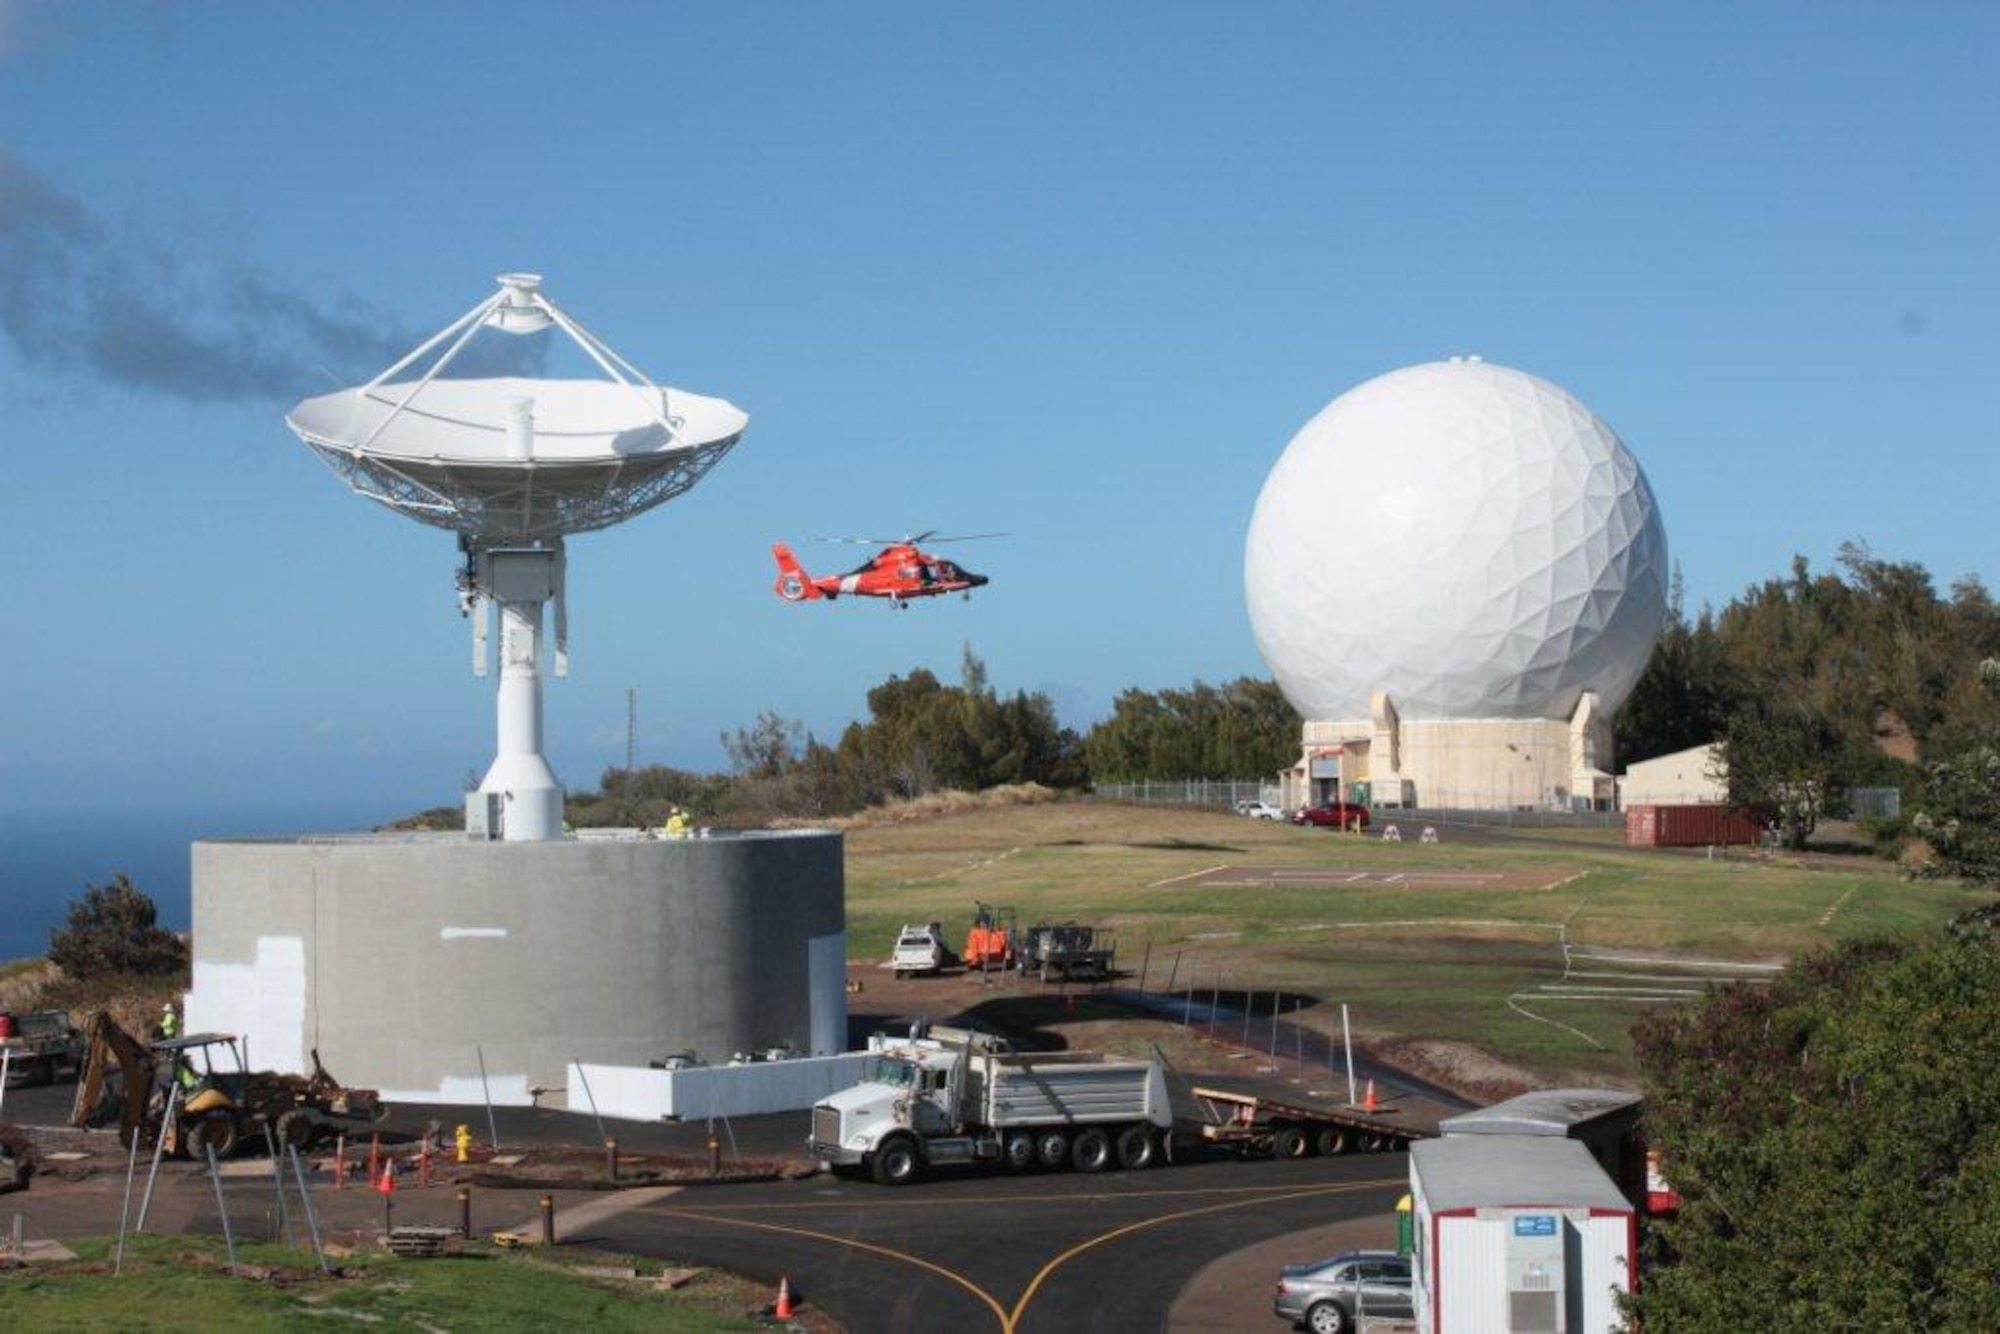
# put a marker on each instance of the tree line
(1814, 683)
(1818, 683)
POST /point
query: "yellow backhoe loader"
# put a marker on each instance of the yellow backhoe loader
(217, 1103)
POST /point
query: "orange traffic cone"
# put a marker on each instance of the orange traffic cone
(1368, 1103)
(783, 1310)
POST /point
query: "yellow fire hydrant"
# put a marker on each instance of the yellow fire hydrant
(465, 1144)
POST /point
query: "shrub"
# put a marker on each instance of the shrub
(115, 929)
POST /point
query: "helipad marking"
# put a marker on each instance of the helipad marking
(1191, 875)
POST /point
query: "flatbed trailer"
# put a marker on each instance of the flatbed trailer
(1253, 1123)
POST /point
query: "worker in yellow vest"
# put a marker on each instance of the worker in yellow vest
(677, 823)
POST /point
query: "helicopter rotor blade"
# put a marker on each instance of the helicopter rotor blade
(930, 536)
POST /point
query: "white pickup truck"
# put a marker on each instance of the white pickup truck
(953, 1096)
(919, 949)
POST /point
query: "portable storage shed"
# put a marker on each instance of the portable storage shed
(1604, 1121)
(1518, 1236)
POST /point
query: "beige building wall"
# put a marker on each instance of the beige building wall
(1692, 777)
(1466, 764)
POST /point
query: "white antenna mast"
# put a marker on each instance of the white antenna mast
(513, 466)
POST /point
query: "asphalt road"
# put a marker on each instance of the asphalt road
(965, 1251)
(977, 1252)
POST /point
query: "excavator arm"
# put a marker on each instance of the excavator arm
(113, 1051)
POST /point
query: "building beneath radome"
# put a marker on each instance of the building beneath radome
(1457, 573)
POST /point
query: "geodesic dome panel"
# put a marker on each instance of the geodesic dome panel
(1467, 537)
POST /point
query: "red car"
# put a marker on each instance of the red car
(1333, 815)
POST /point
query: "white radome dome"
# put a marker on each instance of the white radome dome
(1466, 537)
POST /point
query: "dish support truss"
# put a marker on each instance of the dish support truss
(496, 504)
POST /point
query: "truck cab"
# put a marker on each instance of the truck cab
(907, 1085)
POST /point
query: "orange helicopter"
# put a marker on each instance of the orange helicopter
(899, 572)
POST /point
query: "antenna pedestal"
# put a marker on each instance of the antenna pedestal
(531, 798)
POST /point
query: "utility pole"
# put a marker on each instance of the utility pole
(631, 733)
(631, 726)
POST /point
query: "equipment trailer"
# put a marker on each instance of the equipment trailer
(1251, 1123)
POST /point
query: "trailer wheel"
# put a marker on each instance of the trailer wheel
(1091, 1152)
(896, 1162)
(1373, 1143)
(1137, 1149)
(1288, 1142)
(1052, 1148)
(1329, 1141)
(1018, 1152)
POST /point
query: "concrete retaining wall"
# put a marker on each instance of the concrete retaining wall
(405, 958)
(704, 1091)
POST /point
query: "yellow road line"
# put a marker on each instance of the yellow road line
(1042, 1275)
(999, 1313)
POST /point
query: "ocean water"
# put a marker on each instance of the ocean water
(47, 858)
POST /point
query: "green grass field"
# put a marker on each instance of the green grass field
(1415, 964)
(180, 1283)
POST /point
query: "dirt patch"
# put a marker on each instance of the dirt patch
(934, 806)
(1469, 1072)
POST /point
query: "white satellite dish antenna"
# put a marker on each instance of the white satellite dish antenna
(513, 465)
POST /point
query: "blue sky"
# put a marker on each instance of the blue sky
(1072, 272)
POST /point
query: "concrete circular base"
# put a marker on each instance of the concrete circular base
(406, 960)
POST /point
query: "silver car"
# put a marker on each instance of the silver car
(1331, 1296)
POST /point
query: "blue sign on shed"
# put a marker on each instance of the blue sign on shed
(1534, 1225)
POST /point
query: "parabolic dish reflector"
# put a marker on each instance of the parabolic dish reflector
(603, 451)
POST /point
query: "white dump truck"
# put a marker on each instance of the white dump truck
(953, 1096)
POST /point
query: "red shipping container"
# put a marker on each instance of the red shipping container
(1688, 827)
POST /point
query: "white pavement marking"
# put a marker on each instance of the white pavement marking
(1826, 918)
(959, 870)
(1678, 963)
(1191, 875)
(568, 1221)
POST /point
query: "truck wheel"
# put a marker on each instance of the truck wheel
(1091, 1152)
(1052, 1148)
(1136, 1149)
(1288, 1142)
(1326, 1318)
(1373, 1143)
(896, 1163)
(1018, 1153)
(1329, 1141)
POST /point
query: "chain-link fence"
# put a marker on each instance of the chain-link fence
(1875, 803)
(1222, 793)
(1225, 793)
